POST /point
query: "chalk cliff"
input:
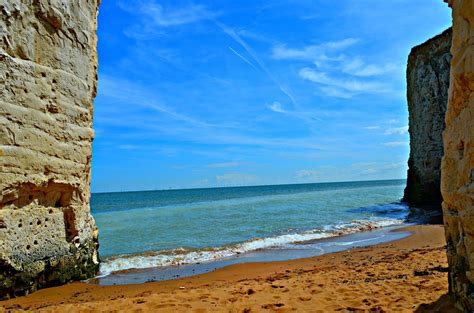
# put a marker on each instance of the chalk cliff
(427, 91)
(48, 79)
(457, 170)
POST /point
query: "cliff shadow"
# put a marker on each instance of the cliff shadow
(444, 304)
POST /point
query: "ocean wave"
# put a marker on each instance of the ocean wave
(183, 256)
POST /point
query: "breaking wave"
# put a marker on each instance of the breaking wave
(182, 256)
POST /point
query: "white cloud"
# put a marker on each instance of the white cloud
(224, 165)
(152, 127)
(372, 127)
(393, 144)
(377, 168)
(307, 116)
(343, 86)
(255, 36)
(308, 174)
(200, 183)
(390, 131)
(276, 107)
(166, 17)
(157, 17)
(397, 131)
(312, 52)
(134, 94)
(353, 172)
(337, 75)
(336, 92)
(233, 34)
(235, 179)
(375, 70)
(357, 67)
(128, 147)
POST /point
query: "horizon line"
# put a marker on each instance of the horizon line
(243, 186)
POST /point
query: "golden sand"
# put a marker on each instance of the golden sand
(405, 276)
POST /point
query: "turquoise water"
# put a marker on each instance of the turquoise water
(160, 228)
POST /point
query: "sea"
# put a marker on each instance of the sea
(189, 228)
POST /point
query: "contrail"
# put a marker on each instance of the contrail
(229, 31)
(243, 58)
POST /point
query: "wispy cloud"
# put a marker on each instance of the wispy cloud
(235, 179)
(308, 174)
(390, 131)
(255, 36)
(234, 35)
(335, 73)
(397, 131)
(224, 165)
(307, 116)
(358, 67)
(393, 144)
(166, 17)
(276, 107)
(372, 127)
(127, 95)
(296, 110)
(135, 94)
(336, 92)
(158, 17)
(330, 55)
(312, 52)
(344, 86)
(128, 147)
(354, 171)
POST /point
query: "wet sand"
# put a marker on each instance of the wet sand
(297, 250)
(405, 275)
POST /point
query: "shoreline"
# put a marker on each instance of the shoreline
(271, 246)
(364, 236)
(407, 274)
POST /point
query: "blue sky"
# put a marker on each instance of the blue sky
(224, 93)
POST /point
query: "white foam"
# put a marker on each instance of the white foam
(182, 256)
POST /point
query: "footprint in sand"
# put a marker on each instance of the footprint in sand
(304, 299)
(162, 306)
(272, 306)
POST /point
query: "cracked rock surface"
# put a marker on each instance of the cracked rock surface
(457, 171)
(48, 74)
(427, 91)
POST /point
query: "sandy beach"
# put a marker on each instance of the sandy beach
(405, 275)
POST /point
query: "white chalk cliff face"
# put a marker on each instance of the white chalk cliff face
(457, 172)
(48, 74)
(427, 91)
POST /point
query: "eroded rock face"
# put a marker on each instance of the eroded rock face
(427, 91)
(48, 79)
(457, 171)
